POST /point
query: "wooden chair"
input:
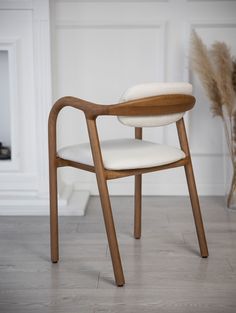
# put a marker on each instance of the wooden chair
(146, 105)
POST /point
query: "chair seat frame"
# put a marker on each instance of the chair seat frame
(158, 105)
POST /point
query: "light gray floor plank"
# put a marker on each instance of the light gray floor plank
(164, 272)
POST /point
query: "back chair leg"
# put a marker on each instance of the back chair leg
(192, 189)
(196, 209)
(53, 212)
(138, 194)
(138, 206)
(111, 232)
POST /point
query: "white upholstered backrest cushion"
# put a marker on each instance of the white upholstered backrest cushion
(150, 90)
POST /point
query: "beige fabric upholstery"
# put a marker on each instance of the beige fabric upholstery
(121, 154)
(149, 90)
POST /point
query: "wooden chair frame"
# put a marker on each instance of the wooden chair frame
(158, 105)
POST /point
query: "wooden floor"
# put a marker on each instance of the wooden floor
(163, 270)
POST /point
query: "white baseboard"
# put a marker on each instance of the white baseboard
(22, 205)
(73, 201)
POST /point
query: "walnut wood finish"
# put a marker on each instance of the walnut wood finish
(105, 202)
(158, 105)
(138, 195)
(166, 104)
(110, 174)
(192, 189)
(53, 187)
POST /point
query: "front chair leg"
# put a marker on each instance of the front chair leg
(196, 209)
(138, 206)
(53, 213)
(111, 232)
(105, 202)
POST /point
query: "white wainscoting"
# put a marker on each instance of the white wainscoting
(25, 37)
(100, 48)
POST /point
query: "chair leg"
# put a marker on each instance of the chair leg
(53, 213)
(138, 206)
(196, 209)
(192, 189)
(105, 202)
(111, 232)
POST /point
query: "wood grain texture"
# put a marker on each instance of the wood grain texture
(192, 189)
(105, 202)
(158, 105)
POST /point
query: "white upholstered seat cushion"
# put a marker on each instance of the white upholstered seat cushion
(150, 90)
(121, 154)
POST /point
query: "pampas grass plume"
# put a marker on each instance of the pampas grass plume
(234, 75)
(224, 68)
(201, 64)
(217, 72)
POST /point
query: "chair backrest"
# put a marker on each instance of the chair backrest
(149, 90)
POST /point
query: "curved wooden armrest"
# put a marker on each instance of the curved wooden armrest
(157, 105)
(77, 103)
(87, 107)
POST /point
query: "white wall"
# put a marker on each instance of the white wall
(100, 48)
(5, 133)
(24, 34)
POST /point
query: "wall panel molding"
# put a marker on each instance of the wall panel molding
(113, 1)
(160, 25)
(43, 96)
(223, 1)
(16, 5)
(212, 23)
